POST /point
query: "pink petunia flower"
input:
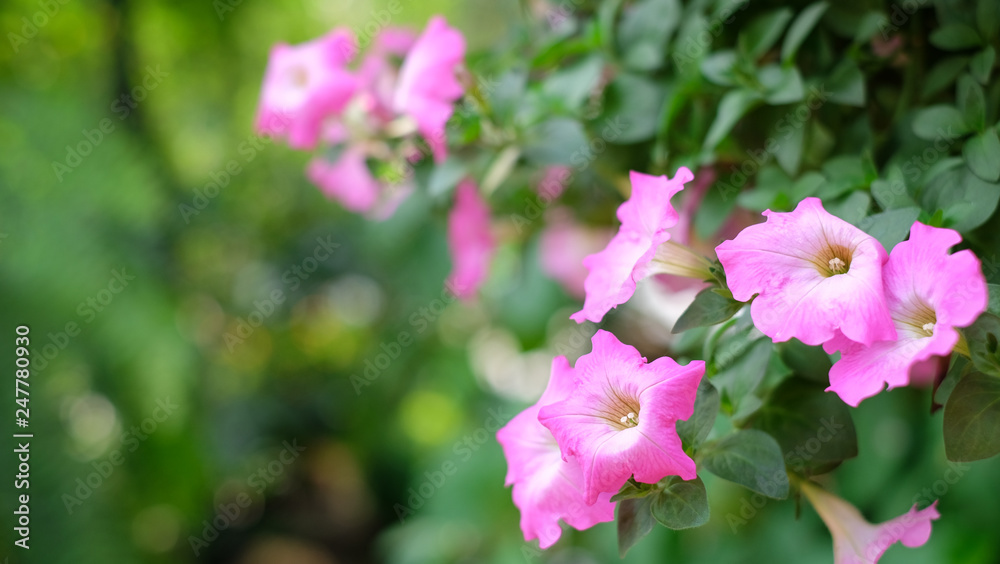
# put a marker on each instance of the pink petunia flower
(427, 87)
(813, 273)
(304, 85)
(621, 418)
(645, 218)
(470, 241)
(929, 293)
(546, 487)
(855, 540)
(562, 247)
(349, 181)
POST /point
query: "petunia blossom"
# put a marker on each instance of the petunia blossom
(621, 419)
(304, 85)
(645, 219)
(546, 487)
(427, 87)
(814, 274)
(929, 293)
(855, 540)
(470, 241)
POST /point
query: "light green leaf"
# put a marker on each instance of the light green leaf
(708, 308)
(847, 84)
(645, 30)
(982, 153)
(734, 105)
(971, 102)
(800, 28)
(939, 122)
(782, 85)
(718, 67)
(762, 33)
(981, 65)
(890, 227)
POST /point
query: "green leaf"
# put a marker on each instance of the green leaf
(733, 106)
(966, 200)
(971, 102)
(772, 183)
(555, 141)
(981, 65)
(572, 85)
(846, 84)
(959, 367)
(982, 153)
(988, 18)
(446, 176)
(645, 30)
(892, 194)
(632, 490)
(718, 67)
(942, 75)
(994, 303)
(782, 85)
(852, 208)
(739, 380)
(813, 427)
(808, 362)
(681, 505)
(708, 308)
(634, 101)
(890, 227)
(955, 37)
(706, 407)
(715, 208)
(789, 154)
(800, 28)
(750, 458)
(763, 32)
(972, 419)
(634, 522)
(983, 337)
(939, 122)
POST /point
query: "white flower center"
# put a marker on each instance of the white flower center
(837, 265)
(630, 420)
(928, 328)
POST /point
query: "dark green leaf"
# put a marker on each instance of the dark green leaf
(967, 200)
(813, 427)
(750, 458)
(971, 102)
(681, 505)
(892, 194)
(983, 336)
(955, 37)
(846, 84)
(744, 370)
(981, 65)
(942, 75)
(762, 33)
(982, 153)
(939, 122)
(708, 308)
(733, 106)
(853, 208)
(972, 419)
(715, 208)
(988, 18)
(890, 227)
(994, 304)
(808, 362)
(959, 366)
(800, 28)
(632, 490)
(706, 406)
(634, 522)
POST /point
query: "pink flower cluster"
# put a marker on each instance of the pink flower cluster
(817, 278)
(610, 418)
(372, 111)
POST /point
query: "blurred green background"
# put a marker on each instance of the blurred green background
(215, 476)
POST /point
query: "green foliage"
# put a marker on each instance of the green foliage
(971, 418)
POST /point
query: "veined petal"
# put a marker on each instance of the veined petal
(813, 274)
